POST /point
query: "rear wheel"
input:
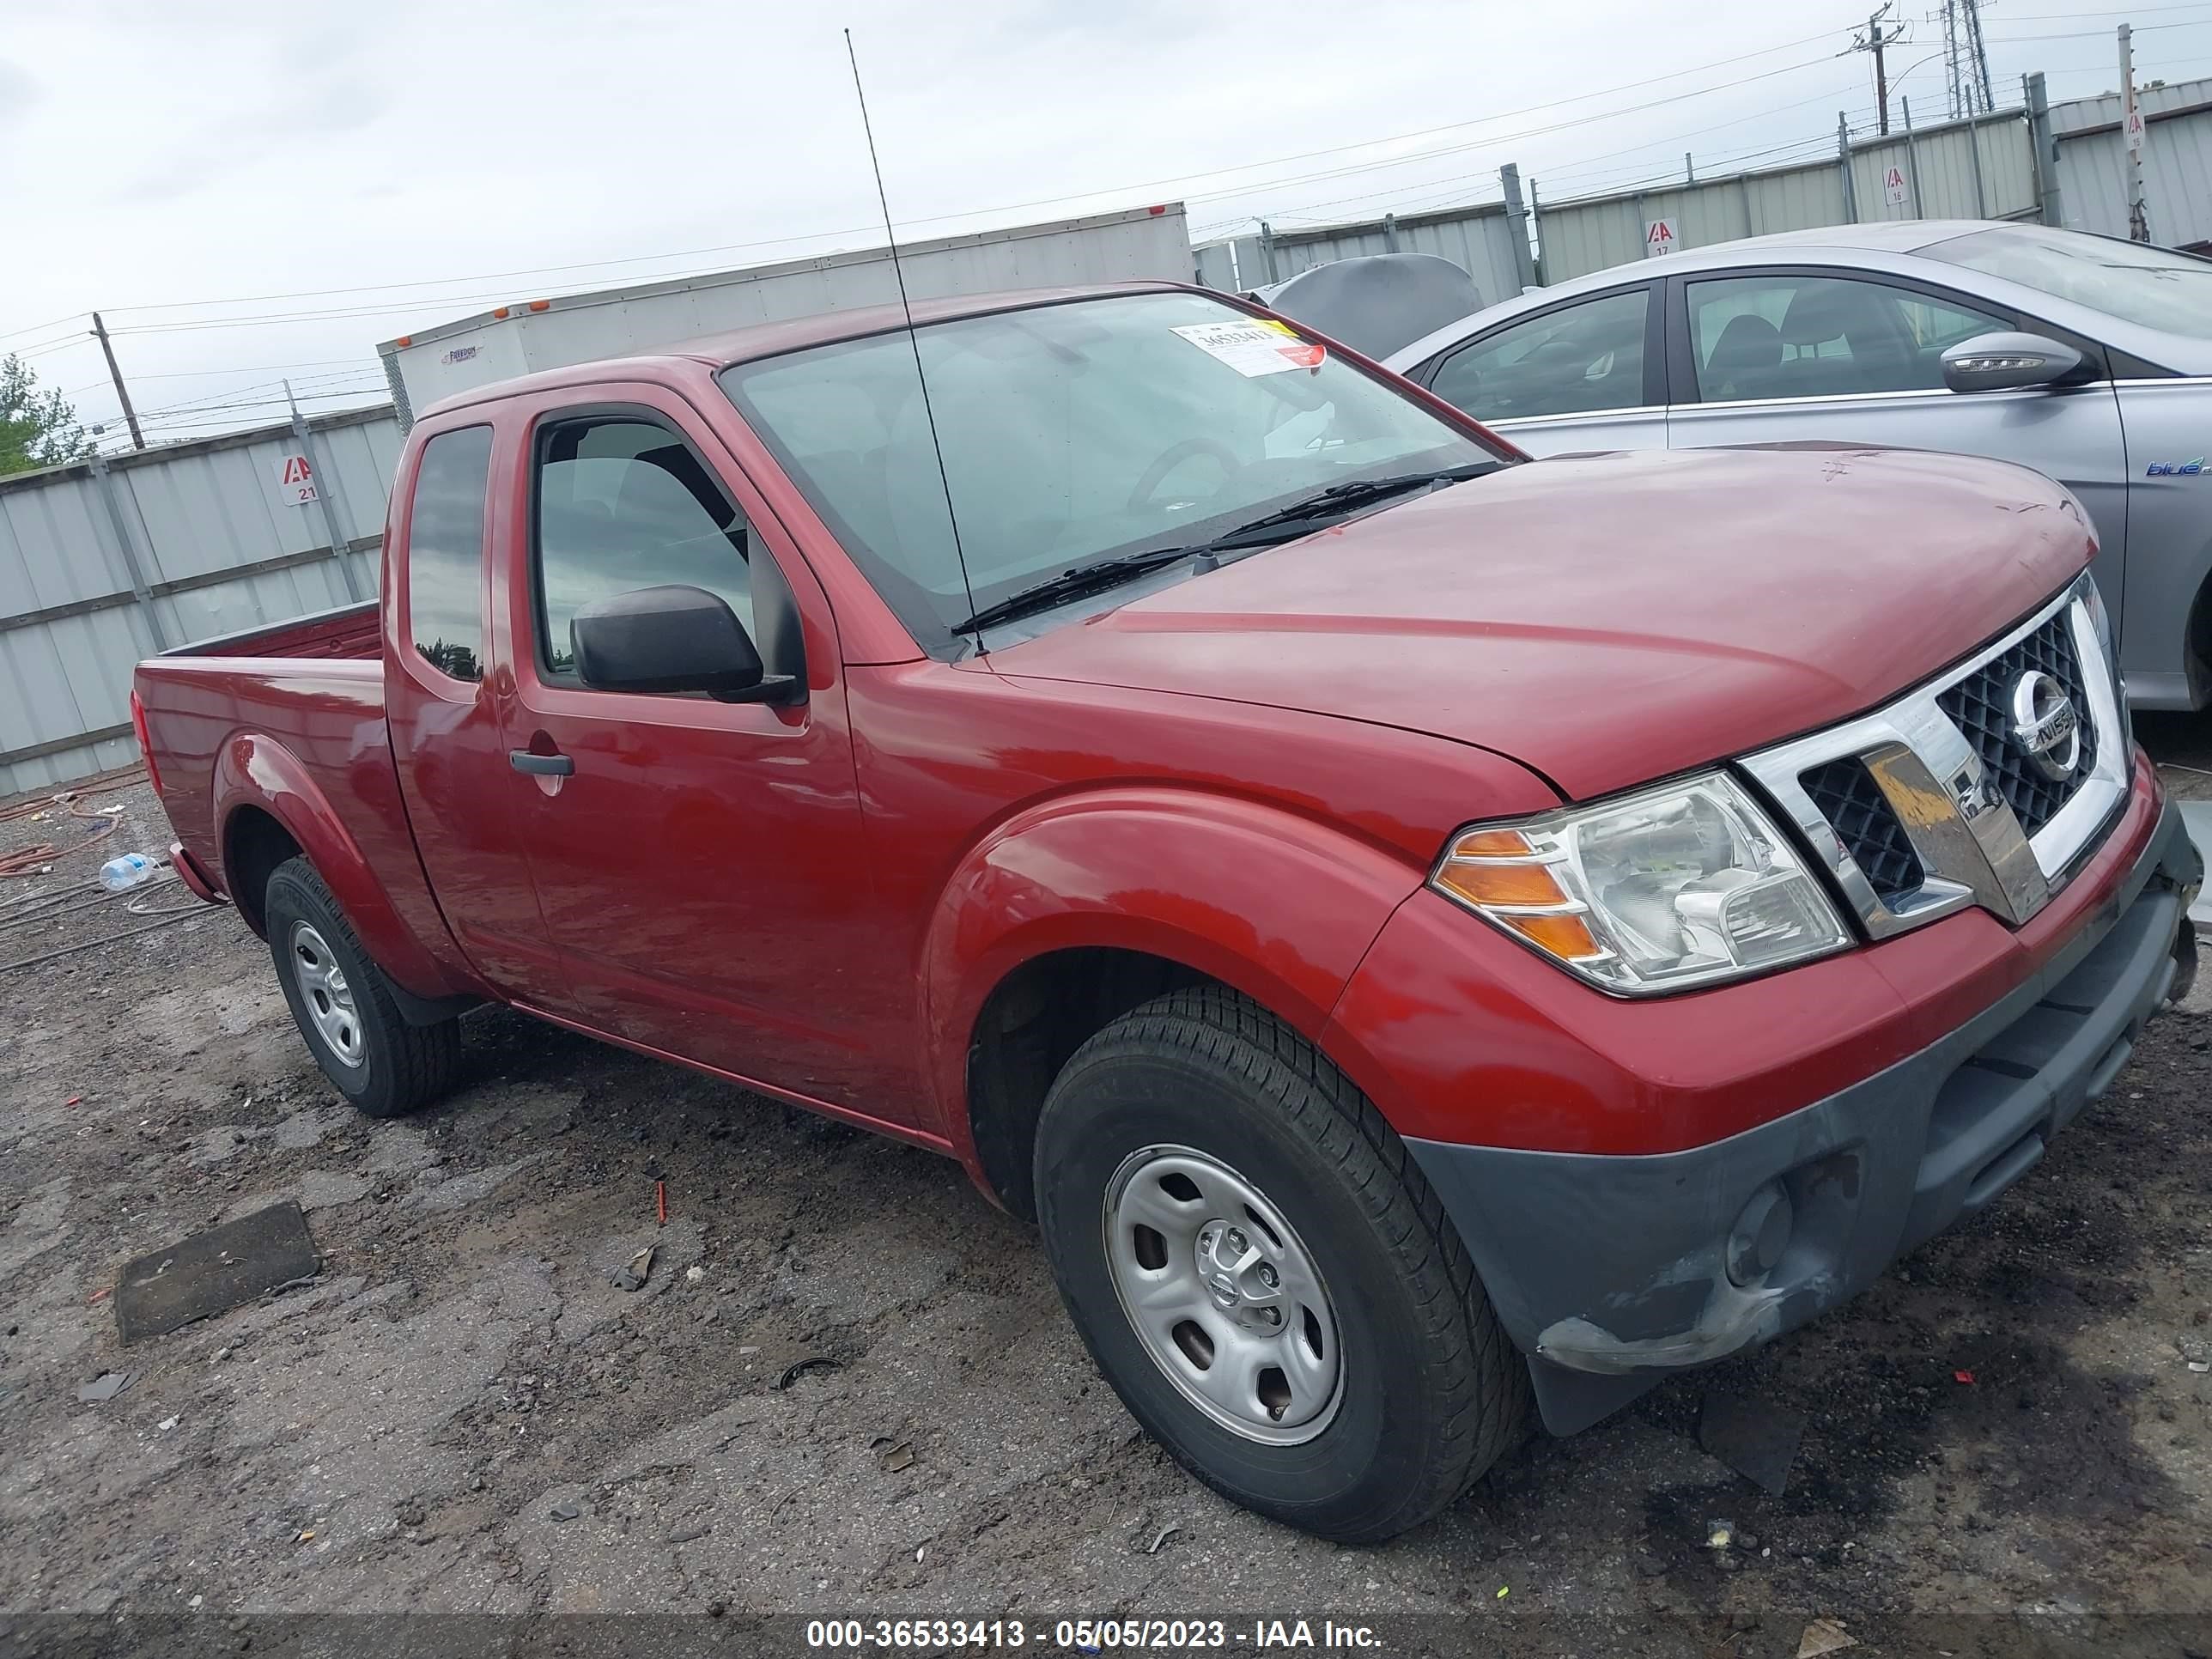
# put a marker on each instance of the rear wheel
(342, 1003)
(1263, 1275)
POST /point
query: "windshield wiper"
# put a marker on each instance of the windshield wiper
(1346, 497)
(1279, 525)
(1074, 585)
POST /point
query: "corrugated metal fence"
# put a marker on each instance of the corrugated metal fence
(105, 562)
(1979, 169)
(2176, 163)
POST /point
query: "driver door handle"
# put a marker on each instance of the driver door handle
(544, 766)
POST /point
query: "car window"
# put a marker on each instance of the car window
(1821, 337)
(2152, 287)
(1578, 359)
(1069, 433)
(444, 552)
(621, 504)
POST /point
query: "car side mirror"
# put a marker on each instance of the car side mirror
(2005, 360)
(672, 638)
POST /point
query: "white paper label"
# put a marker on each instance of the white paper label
(1254, 346)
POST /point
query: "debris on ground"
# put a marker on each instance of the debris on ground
(1824, 1636)
(898, 1458)
(632, 1275)
(106, 1386)
(213, 1271)
(168, 1424)
(1966, 1378)
(694, 1273)
(1160, 1538)
(565, 1510)
(816, 1363)
(1756, 1438)
(660, 1200)
(689, 1535)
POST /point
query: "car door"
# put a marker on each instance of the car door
(1585, 374)
(1790, 353)
(698, 862)
(448, 746)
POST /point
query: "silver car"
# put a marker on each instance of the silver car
(2087, 359)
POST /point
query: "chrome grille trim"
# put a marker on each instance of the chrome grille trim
(1971, 847)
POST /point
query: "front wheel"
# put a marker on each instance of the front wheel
(1263, 1275)
(343, 1005)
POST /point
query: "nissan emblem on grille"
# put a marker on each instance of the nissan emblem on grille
(2045, 724)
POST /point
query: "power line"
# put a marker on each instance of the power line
(1107, 190)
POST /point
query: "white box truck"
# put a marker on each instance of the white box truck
(533, 334)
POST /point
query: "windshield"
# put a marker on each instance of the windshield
(1071, 433)
(2151, 286)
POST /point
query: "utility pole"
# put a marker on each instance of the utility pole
(2131, 125)
(1689, 168)
(1844, 160)
(1875, 39)
(1978, 51)
(122, 392)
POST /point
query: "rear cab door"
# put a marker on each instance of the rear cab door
(448, 741)
(1793, 353)
(1586, 374)
(699, 863)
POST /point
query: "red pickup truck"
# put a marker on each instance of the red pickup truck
(1420, 929)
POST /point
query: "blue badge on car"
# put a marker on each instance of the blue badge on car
(2174, 468)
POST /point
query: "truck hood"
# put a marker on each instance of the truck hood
(1610, 619)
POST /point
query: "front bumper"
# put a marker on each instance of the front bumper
(1610, 1270)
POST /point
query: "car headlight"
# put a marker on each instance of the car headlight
(2100, 622)
(1687, 884)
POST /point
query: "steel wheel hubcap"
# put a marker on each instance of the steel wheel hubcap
(1223, 1295)
(325, 994)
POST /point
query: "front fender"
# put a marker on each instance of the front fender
(1273, 904)
(252, 771)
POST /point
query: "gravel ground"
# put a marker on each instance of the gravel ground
(2008, 1425)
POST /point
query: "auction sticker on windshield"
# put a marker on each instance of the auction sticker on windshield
(1257, 346)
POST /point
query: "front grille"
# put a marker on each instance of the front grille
(1980, 705)
(1851, 800)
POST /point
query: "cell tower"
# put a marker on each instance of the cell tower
(1968, 56)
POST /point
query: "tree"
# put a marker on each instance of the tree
(37, 429)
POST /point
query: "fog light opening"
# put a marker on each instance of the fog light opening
(1760, 1235)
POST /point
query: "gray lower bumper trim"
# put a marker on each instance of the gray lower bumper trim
(1609, 1272)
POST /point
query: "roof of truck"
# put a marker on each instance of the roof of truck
(794, 334)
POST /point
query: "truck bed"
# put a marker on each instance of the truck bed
(348, 633)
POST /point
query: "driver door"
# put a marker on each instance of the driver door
(699, 863)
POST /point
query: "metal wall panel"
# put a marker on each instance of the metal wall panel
(2176, 162)
(214, 547)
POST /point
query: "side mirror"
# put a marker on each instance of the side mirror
(673, 639)
(2005, 360)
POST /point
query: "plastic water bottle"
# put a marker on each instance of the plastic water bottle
(128, 871)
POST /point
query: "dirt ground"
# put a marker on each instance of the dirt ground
(2009, 1424)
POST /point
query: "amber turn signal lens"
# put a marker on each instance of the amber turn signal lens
(1492, 844)
(1568, 938)
(1500, 883)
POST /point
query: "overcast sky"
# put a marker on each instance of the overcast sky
(183, 165)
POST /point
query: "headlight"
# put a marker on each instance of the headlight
(2100, 621)
(1683, 885)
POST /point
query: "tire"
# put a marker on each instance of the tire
(1428, 1392)
(342, 1003)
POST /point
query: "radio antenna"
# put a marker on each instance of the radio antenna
(914, 340)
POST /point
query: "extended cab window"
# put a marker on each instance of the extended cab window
(1788, 336)
(445, 551)
(623, 504)
(1578, 359)
(1070, 433)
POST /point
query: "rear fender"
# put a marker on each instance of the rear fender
(1272, 904)
(255, 771)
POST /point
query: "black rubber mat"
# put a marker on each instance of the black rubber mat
(210, 1272)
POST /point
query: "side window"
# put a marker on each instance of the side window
(1578, 359)
(1821, 337)
(444, 552)
(623, 504)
